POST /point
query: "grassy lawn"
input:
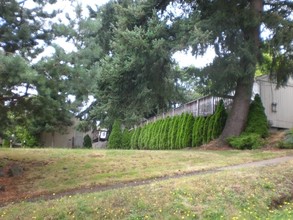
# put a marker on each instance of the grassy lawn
(244, 194)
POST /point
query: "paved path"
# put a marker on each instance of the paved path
(261, 163)
(97, 188)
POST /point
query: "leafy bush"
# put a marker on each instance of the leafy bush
(135, 138)
(219, 120)
(287, 143)
(126, 138)
(115, 138)
(246, 141)
(187, 134)
(198, 130)
(87, 141)
(174, 131)
(257, 121)
(5, 143)
(205, 130)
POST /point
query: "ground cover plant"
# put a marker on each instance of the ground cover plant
(55, 170)
(246, 193)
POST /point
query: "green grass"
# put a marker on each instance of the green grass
(250, 193)
(243, 194)
(75, 168)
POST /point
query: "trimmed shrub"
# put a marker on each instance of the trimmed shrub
(198, 131)
(219, 120)
(187, 134)
(169, 134)
(135, 138)
(205, 130)
(195, 131)
(257, 121)
(174, 131)
(246, 141)
(140, 141)
(210, 128)
(115, 138)
(87, 141)
(159, 133)
(163, 141)
(180, 133)
(126, 138)
(149, 135)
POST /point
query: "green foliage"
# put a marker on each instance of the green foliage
(22, 39)
(287, 143)
(219, 120)
(187, 134)
(205, 132)
(178, 132)
(198, 131)
(87, 141)
(115, 138)
(25, 137)
(135, 77)
(174, 131)
(5, 143)
(246, 141)
(126, 139)
(195, 132)
(135, 138)
(257, 120)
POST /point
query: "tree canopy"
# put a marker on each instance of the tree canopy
(30, 93)
(123, 58)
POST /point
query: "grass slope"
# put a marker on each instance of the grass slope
(243, 194)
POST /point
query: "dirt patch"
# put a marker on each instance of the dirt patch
(272, 142)
(278, 202)
(13, 178)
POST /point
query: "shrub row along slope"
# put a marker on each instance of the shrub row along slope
(187, 131)
(172, 132)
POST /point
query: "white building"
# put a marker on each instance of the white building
(278, 103)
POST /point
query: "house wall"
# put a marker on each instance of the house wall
(283, 117)
(69, 138)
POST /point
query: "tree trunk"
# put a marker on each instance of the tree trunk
(237, 117)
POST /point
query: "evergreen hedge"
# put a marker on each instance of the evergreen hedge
(257, 127)
(87, 141)
(176, 132)
(187, 134)
(126, 138)
(115, 138)
(219, 120)
(257, 121)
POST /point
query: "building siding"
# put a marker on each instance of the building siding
(283, 116)
(69, 138)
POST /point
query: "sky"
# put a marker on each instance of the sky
(183, 58)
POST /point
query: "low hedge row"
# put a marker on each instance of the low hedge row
(174, 132)
(187, 131)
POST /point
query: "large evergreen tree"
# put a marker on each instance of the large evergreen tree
(233, 29)
(24, 32)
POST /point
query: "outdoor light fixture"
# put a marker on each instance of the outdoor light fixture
(274, 107)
